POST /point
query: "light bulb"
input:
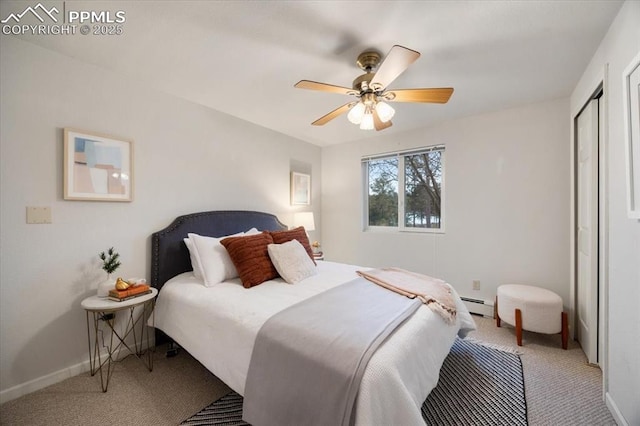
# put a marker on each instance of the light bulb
(356, 113)
(367, 122)
(385, 111)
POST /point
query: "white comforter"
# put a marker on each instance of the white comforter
(218, 325)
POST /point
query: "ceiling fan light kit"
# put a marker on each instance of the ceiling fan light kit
(363, 112)
(371, 111)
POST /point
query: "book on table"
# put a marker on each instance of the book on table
(129, 293)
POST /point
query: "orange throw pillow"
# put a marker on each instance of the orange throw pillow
(298, 233)
(250, 256)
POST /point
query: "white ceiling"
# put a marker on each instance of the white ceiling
(243, 58)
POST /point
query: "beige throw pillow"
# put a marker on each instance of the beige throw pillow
(291, 261)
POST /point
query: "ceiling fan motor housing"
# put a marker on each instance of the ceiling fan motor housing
(367, 61)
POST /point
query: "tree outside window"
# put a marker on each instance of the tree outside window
(383, 192)
(423, 190)
(420, 175)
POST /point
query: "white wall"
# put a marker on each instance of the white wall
(187, 158)
(506, 209)
(618, 48)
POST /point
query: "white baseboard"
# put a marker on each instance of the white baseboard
(478, 306)
(613, 408)
(53, 378)
(42, 382)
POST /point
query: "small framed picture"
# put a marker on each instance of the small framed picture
(300, 189)
(97, 167)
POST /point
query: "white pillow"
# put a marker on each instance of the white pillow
(215, 264)
(291, 261)
(253, 231)
(195, 262)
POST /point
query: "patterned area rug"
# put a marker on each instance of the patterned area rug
(478, 385)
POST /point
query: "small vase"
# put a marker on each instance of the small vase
(105, 286)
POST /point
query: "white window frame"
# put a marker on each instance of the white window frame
(401, 191)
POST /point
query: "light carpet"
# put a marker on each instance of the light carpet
(478, 385)
(561, 389)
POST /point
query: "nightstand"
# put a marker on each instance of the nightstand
(102, 331)
(318, 256)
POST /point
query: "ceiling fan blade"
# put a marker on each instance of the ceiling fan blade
(323, 87)
(333, 114)
(436, 96)
(379, 124)
(398, 59)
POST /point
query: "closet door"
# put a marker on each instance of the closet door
(587, 231)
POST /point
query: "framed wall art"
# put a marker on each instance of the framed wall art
(97, 167)
(300, 189)
(631, 97)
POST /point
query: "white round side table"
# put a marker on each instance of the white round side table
(104, 312)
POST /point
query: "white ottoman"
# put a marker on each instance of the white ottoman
(533, 309)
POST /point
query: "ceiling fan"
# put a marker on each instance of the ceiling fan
(371, 110)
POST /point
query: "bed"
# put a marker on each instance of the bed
(218, 325)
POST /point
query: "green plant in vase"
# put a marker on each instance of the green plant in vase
(110, 263)
(110, 260)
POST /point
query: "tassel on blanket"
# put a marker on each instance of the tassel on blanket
(434, 293)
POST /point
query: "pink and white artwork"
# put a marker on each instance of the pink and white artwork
(97, 167)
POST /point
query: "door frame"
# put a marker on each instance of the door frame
(600, 83)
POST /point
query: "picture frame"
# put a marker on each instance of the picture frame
(300, 189)
(631, 99)
(97, 167)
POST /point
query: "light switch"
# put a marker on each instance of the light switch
(38, 214)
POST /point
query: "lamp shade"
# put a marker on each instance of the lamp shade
(304, 219)
(367, 122)
(385, 111)
(356, 113)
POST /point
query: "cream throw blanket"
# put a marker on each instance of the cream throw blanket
(434, 293)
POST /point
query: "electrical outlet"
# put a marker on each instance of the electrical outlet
(476, 284)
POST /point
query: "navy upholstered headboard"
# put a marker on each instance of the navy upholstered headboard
(169, 254)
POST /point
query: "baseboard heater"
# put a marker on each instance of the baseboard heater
(478, 306)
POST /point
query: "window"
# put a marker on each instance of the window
(418, 205)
